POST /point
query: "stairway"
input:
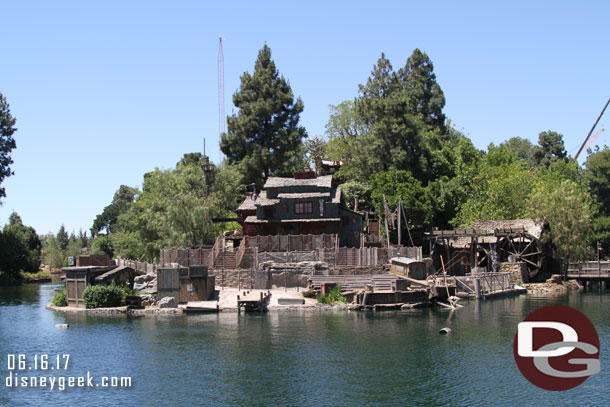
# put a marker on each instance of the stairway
(226, 260)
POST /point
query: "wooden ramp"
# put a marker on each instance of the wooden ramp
(253, 301)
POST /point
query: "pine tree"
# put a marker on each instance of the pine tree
(264, 138)
(7, 142)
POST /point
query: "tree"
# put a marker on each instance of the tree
(264, 138)
(173, 210)
(425, 98)
(395, 184)
(122, 200)
(567, 207)
(7, 142)
(550, 148)
(19, 248)
(62, 238)
(316, 150)
(521, 147)
(596, 175)
(500, 189)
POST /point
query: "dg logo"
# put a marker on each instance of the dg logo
(556, 348)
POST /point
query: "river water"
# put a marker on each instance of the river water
(307, 358)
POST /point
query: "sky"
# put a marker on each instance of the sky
(104, 92)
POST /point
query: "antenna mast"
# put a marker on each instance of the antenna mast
(221, 93)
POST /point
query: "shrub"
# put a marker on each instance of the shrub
(59, 299)
(309, 293)
(101, 296)
(334, 296)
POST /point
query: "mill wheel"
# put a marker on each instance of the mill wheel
(521, 248)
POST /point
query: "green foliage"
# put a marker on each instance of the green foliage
(173, 210)
(7, 142)
(60, 299)
(567, 207)
(522, 148)
(264, 137)
(309, 293)
(397, 184)
(28, 277)
(550, 148)
(333, 297)
(597, 176)
(122, 200)
(62, 238)
(352, 188)
(316, 151)
(102, 296)
(102, 244)
(19, 248)
(500, 189)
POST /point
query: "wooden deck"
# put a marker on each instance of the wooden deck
(253, 302)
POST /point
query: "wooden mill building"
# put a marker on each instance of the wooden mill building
(302, 205)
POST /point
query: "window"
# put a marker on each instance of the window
(303, 207)
(268, 213)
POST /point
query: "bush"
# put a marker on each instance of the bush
(59, 299)
(309, 293)
(35, 276)
(334, 296)
(101, 296)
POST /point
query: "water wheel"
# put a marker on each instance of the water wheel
(521, 248)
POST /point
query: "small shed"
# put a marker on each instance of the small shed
(79, 278)
(195, 284)
(185, 284)
(407, 267)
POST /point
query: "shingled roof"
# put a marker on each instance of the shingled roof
(324, 181)
(531, 226)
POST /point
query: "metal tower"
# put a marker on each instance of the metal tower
(221, 93)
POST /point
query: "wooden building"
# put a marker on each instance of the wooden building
(302, 205)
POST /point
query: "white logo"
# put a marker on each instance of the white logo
(525, 341)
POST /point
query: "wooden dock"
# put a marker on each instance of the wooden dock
(251, 302)
(193, 307)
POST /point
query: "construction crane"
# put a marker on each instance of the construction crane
(221, 92)
(587, 143)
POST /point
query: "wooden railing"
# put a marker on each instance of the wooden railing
(218, 247)
(240, 253)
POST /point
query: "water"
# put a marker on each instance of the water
(292, 358)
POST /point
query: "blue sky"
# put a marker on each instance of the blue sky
(106, 91)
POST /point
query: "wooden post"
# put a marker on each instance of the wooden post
(399, 209)
(385, 219)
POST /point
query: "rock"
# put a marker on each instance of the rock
(167, 302)
(139, 286)
(144, 278)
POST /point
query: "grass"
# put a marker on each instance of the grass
(28, 277)
(333, 297)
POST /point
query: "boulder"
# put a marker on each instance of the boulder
(167, 302)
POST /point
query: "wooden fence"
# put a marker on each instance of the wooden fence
(589, 270)
(292, 243)
(186, 257)
(142, 266)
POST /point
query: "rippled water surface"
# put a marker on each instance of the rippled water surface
(292, 358)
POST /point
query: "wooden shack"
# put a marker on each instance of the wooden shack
(185, 283)
(79, 278)
(195, 284)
